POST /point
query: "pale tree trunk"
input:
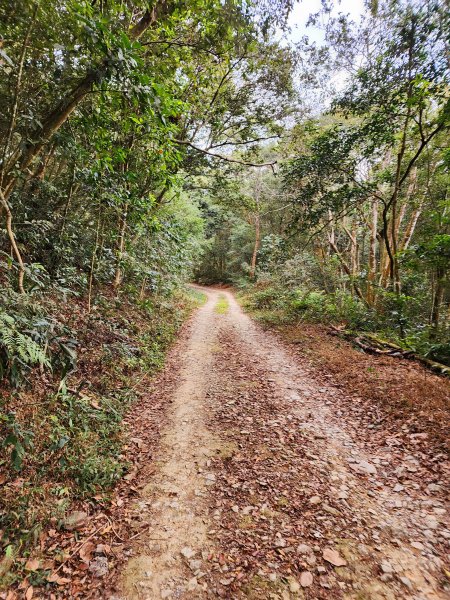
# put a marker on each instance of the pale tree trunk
(372, 270)
(120, 246)
(409, 231)
(257, 223)
(331, 235)
(12, 240)
(395, 225)
(347, 270)
(94, 256)
(438, 298)
(256, 246)
(352, 235)
(65, 107)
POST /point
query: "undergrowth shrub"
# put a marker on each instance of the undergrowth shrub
(30, 336)
(61, 437)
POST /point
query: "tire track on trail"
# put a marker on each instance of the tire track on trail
(174, 501)
(262, 490)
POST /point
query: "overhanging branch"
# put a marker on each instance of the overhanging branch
(223, 157)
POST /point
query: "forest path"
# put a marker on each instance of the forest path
(262, 489)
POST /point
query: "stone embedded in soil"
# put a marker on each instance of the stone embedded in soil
(406, 582)
(188, 552)
(333, 557)
(75, 520)
(294, 586)
(304, 549)
(386, 567)
(306, 579)
(315, 500)
(99, 566)
(364, 468)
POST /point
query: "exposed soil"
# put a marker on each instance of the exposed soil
(260, 476)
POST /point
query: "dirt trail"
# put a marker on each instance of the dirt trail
(265, 489)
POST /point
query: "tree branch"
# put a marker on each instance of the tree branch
(223, 157)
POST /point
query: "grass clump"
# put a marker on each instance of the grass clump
(222, 305)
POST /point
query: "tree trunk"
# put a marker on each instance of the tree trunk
(347, 270)
(372, 270)
(256, 246)
(12, 239)
(438, 298)
(120, 246)
(64, 108)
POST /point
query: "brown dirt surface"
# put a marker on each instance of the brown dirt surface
(394, 394)
(258, 472)
(269, 484)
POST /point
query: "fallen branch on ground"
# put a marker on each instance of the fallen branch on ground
(372, 344)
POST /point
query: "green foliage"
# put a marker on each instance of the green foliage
(19, 352)
(222, 305)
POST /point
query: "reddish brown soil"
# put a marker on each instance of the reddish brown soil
(393, 393)
(273, 471)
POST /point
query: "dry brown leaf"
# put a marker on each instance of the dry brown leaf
(29, 593)
(32, 564)
(86, 551)
(55, 578)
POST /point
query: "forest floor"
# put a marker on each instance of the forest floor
(268, 479)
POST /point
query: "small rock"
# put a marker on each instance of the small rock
(311, 560)
(192, 584)
(334, 558)
(315, 500)
(195, 565)
(188, 552)
(75, 520)
(304, 549)
(417, 545)
(280, 542)
(329, 509)
(364, 467)
(99, 566)
(306, 579)
(386, 567)
(294, 586)
(406, 582)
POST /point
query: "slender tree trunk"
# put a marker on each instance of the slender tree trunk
(71, 191)
(12, 239)
(64, 108)
(120, 246)
(372, 270)
(256, 246)
(94, 255)
(409, 231)
(347, 270)
(438, 298)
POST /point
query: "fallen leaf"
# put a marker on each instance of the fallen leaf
(86, 551)
(55, 578)
(29, 593)
(32, 564)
